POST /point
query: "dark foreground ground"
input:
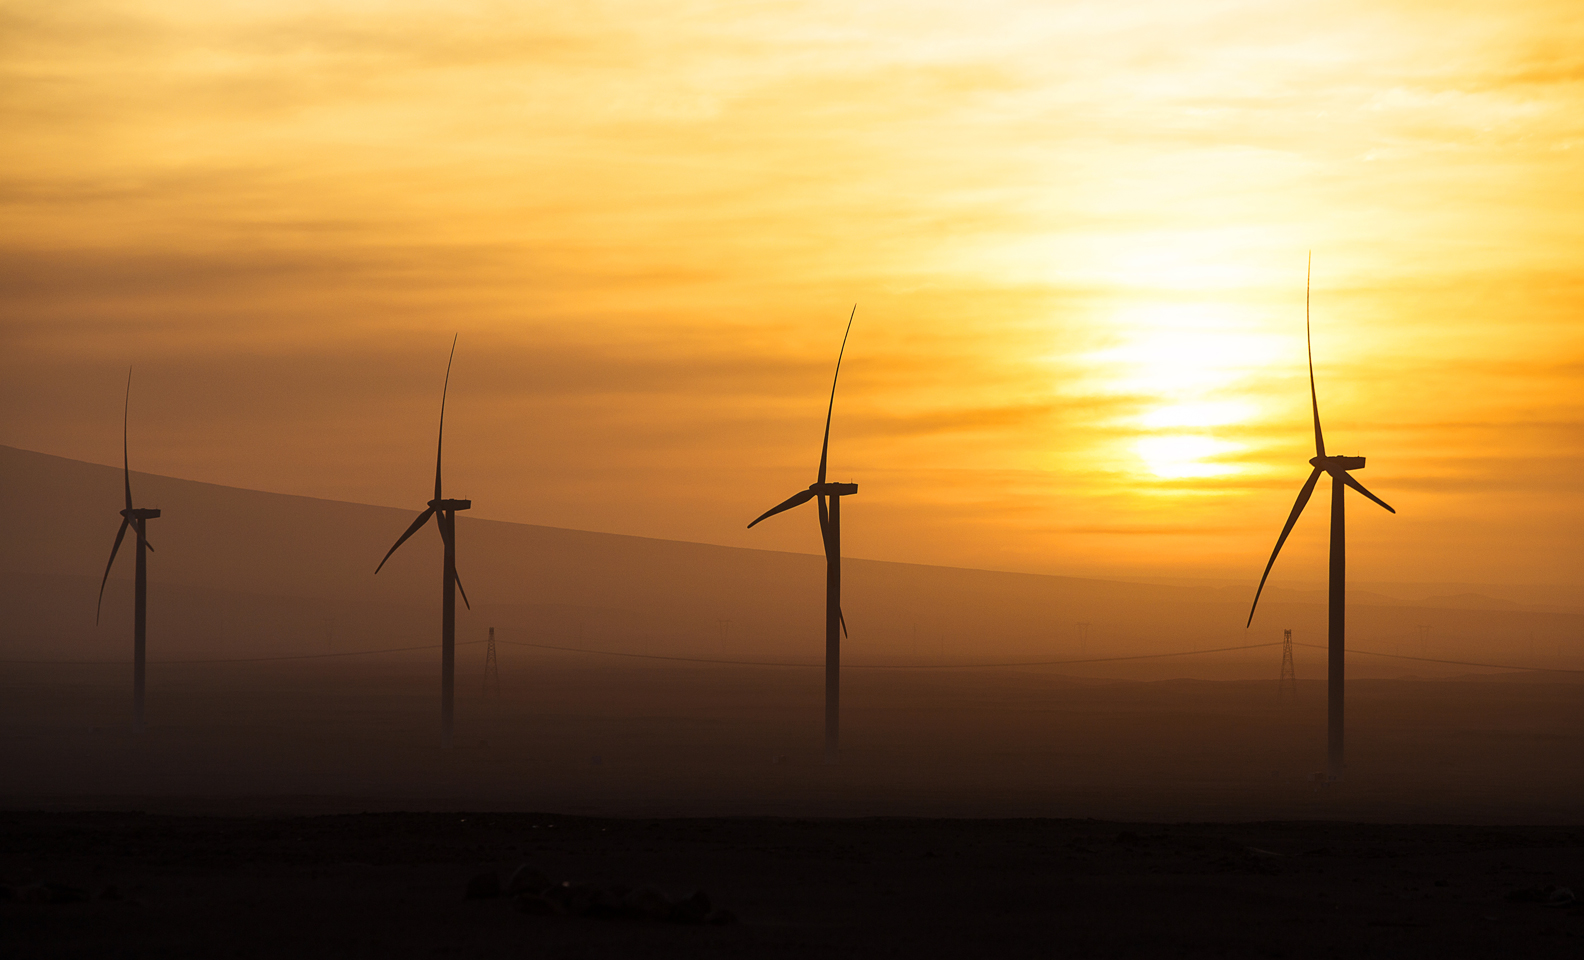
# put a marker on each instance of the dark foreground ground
(393, 885)
(955, 824)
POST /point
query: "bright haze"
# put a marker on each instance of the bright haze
(1076, 236)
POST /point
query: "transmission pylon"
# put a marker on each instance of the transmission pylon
(491, 668)
(1288, 684)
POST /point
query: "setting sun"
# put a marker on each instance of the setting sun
(1176, 457)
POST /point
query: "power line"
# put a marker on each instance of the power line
(656, 656)
(888, 666)
(774, 663)
(294, 656)
(1458, 663)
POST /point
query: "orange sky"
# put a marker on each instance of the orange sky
(1075, 232)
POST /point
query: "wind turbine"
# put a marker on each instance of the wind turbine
(444, 512)
(830, 533)
(1338, 468)
(137, 518)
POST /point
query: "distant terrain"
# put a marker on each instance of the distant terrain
(239, 573)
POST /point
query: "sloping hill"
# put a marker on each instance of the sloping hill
(241, 572)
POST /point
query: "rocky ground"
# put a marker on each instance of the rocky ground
(541, 885)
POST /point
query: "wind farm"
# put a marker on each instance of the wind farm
(611, 705)
(1070, 718)
(1166, 765)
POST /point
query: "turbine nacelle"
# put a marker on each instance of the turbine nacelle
(833, 489)
(1334, 465)
(140, 513)
(450, 504)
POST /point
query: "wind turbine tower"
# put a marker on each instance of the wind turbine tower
(830, 534)
(1336, 626)
(137, 518)
(444, 511)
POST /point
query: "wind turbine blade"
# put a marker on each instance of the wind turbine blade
(825, 444)
(146, 543)
(440, 442)
(422, 519)
(126, 464)
(1314, 402)
(1348, 479)
(1292, 518)
(120, 535)
(843, 619)
(797, 499)
(458, 577)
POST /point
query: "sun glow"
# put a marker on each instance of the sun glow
(1184, 456)
(1202, 414)
(1186, 371)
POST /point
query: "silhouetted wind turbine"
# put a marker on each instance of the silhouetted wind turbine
(444, 512)
(136, 518)
(830, 533)
(1338, 468)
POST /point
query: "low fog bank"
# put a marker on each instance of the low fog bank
(696, 740)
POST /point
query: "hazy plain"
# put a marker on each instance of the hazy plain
(705, 740)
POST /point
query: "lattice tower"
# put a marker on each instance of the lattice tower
(491, 668)
(1288, 685)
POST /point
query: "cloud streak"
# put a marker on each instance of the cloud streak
(1076, 235)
